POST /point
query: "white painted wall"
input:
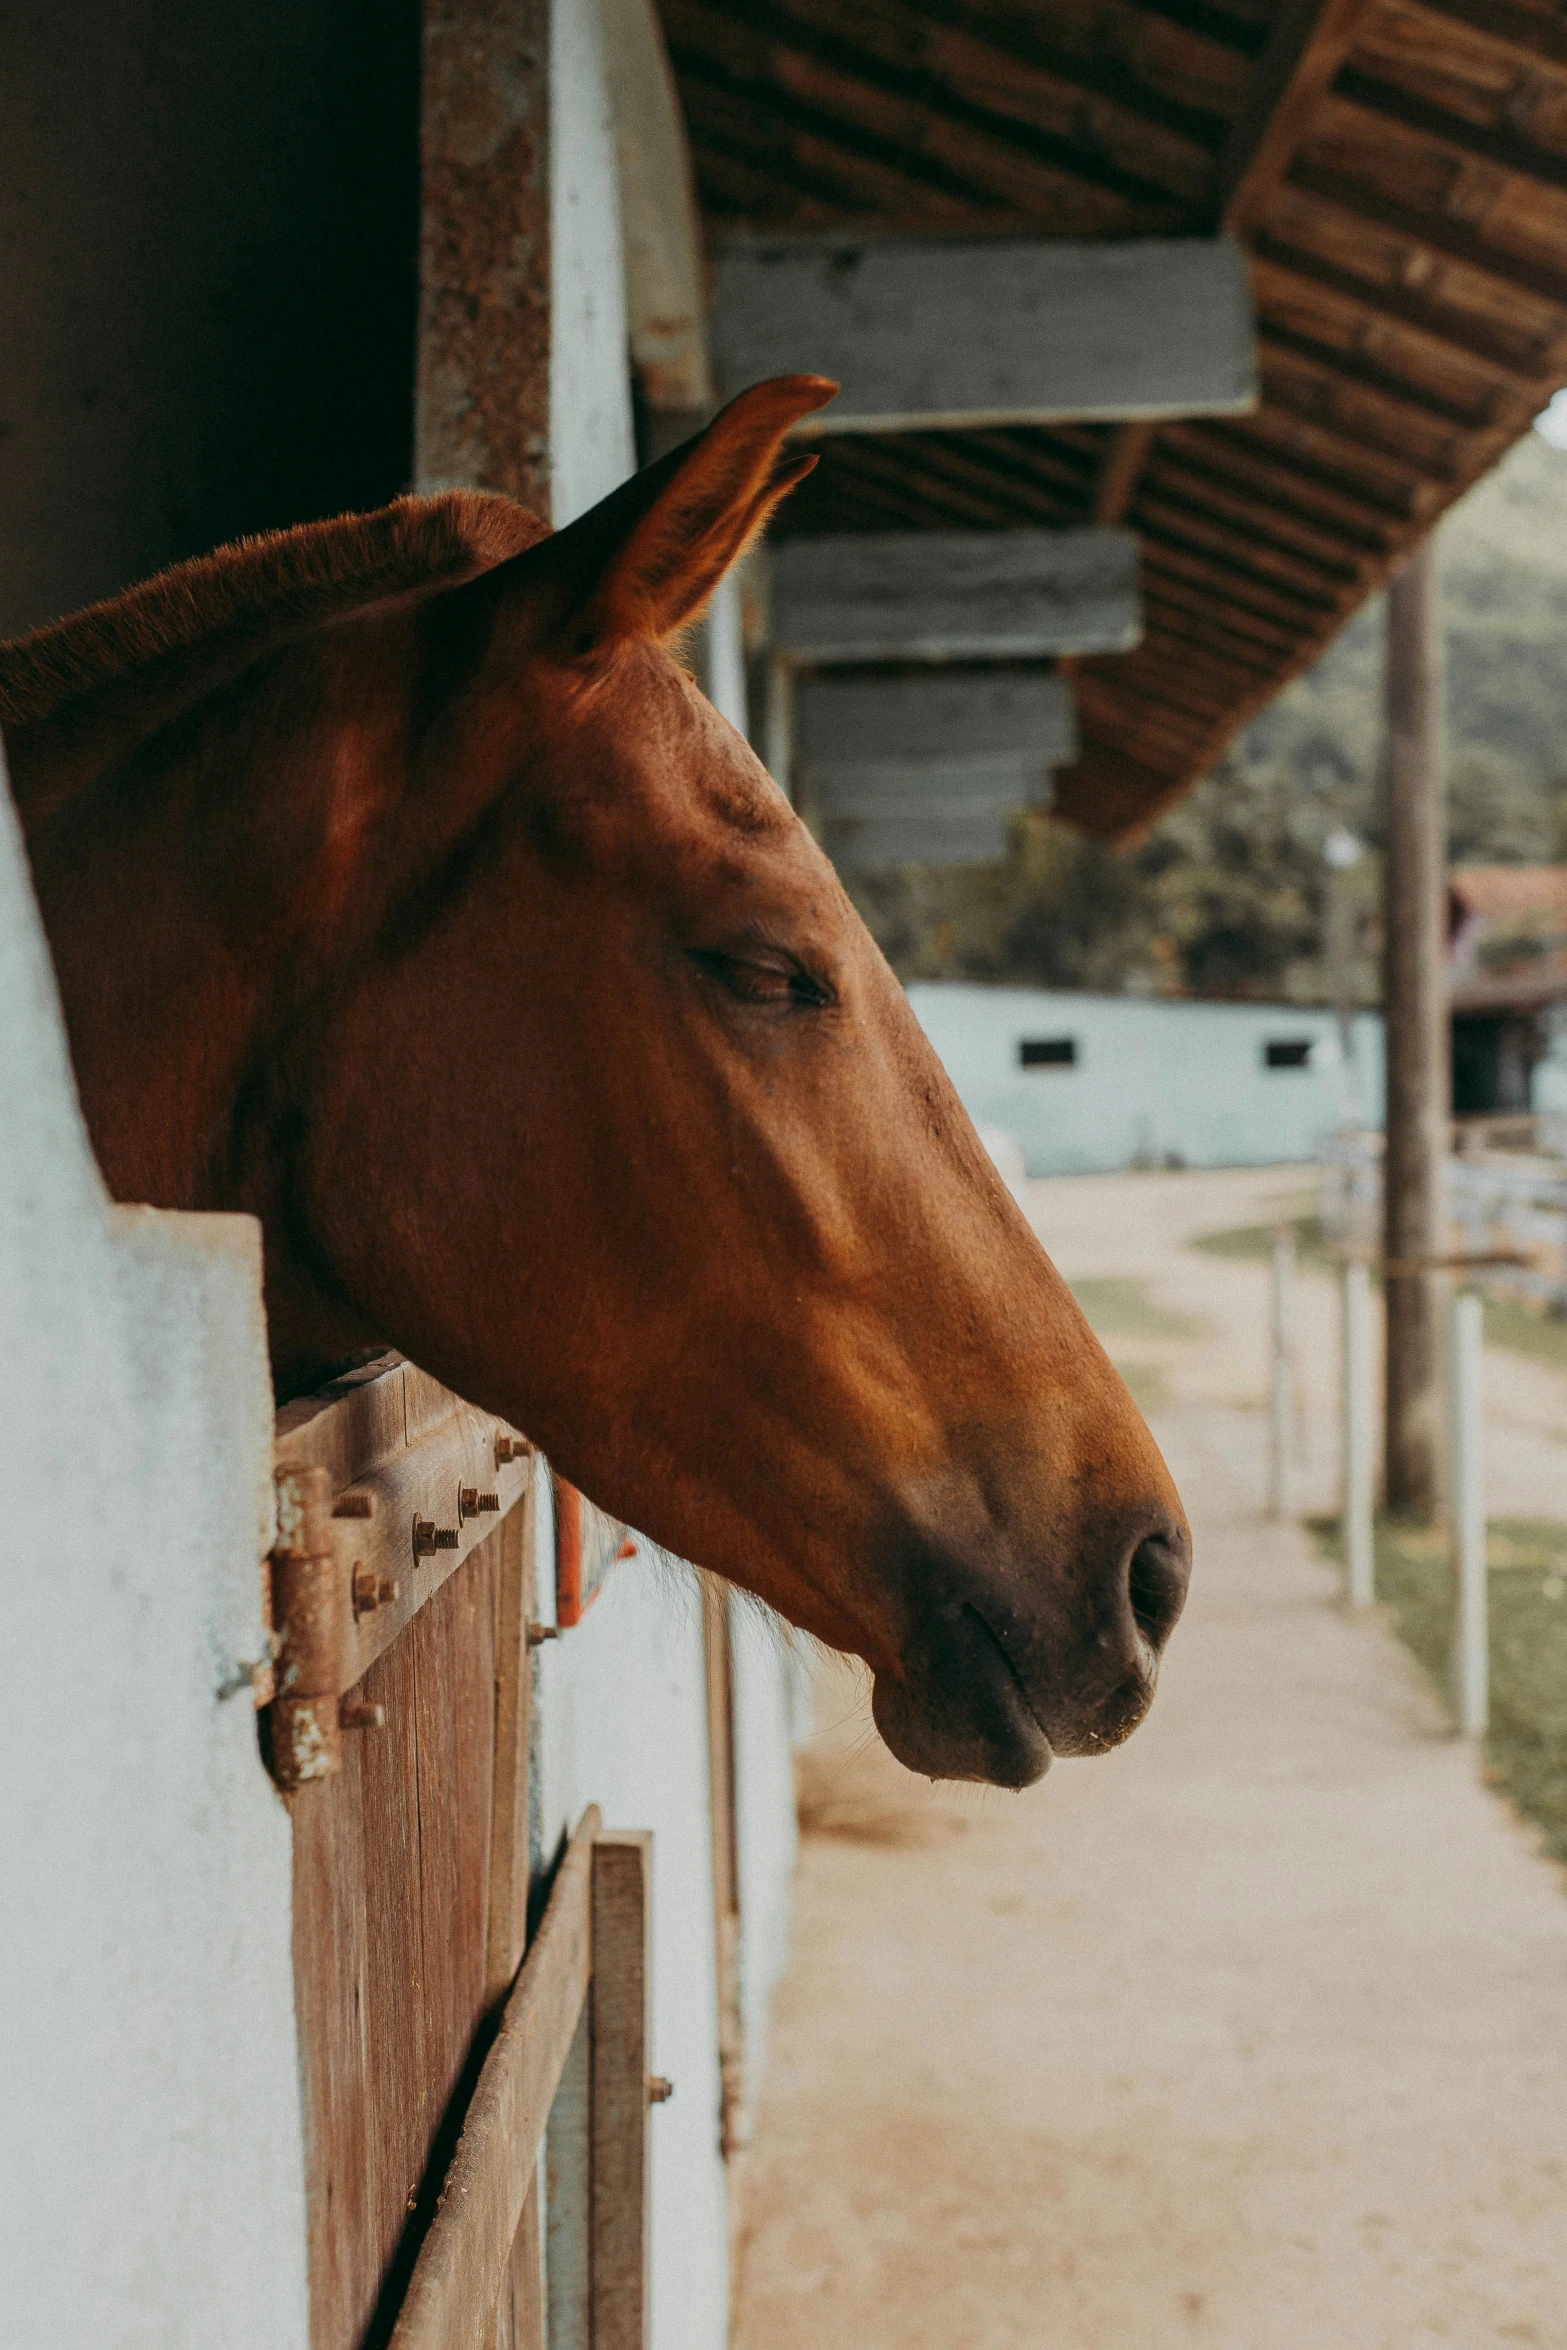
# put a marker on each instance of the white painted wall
(151, 2167)
(771, 1687)
(620, 1711)
(591, 442)
(1153, 1079)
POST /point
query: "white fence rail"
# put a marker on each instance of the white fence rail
(1499, 1204)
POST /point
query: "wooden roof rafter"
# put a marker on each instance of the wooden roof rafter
(1398, 169)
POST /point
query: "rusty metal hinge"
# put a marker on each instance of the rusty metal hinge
(312, 1617)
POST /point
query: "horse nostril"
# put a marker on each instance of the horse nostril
(1156, 1584)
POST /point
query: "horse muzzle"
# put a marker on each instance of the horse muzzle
(998, 1677)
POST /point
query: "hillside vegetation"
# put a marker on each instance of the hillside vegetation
(1225, 897)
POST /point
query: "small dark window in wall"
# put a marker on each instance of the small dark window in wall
(1048, 1052)
(1287, 1052)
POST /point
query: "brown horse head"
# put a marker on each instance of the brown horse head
(405, 890)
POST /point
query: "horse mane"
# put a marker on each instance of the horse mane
(259, 591)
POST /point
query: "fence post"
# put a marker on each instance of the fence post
(1471, 1642)
(1355, 1398)
(1279, 1446)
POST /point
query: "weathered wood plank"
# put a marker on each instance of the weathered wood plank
(519, 2321)
(926, 836)
(457, 2280)
(843, 721)
(506, 1928)
(1004, 333)
(926, 787)
(955, 595)
(622, 1869)
(390, 1862)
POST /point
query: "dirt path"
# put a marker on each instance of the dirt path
(1251, 2036)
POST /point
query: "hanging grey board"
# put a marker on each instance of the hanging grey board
(1026, 713)
(954, 595)
(926, 334)
(928, 836)
(876, 787)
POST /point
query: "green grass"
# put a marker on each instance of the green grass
(1119, 1306)
(1519, 1328)
(1527, 1744)
(1254, 1242)
(1524, 1330)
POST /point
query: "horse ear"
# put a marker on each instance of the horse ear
(650, 555)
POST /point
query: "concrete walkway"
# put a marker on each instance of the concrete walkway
(1252, 2034)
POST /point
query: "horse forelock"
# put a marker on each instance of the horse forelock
(261, 589)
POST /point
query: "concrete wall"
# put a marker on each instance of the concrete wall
(1154, 1082)
(151, 2166)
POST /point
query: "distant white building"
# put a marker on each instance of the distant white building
(1089, 1083)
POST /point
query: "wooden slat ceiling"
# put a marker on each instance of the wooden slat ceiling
(1398, 172)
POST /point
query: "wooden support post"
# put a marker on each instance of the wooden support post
(618, 2268)
(1471, 1627)
(1416, 1013)
(1279, 1413)
(1359, 1555)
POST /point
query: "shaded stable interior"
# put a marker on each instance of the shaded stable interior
(1397, 172)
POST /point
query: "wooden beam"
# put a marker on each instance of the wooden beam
(1376, 103)
(1176, 632)
(621, 2007)
(1429, 232)
(1181, 523)
(1223, 496)
(1204, 603)
(660, 223)
(1392, 391)
(924, 335)
(809, 91)
(1308, 43)
(954, 595)
(1123, 465)
(1275, 261)
(1384, 442)
(457, 2278)
(941, 714)
(1500, 27)
(1295, 608)
(1306, 490)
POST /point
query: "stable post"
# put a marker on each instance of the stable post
(1414, 909)
(1355, 1397)
(1279, 1446)
(1471, 1630)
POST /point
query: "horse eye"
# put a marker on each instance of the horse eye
(761, 983)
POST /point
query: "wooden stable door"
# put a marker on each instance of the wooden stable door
(438, 2062)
